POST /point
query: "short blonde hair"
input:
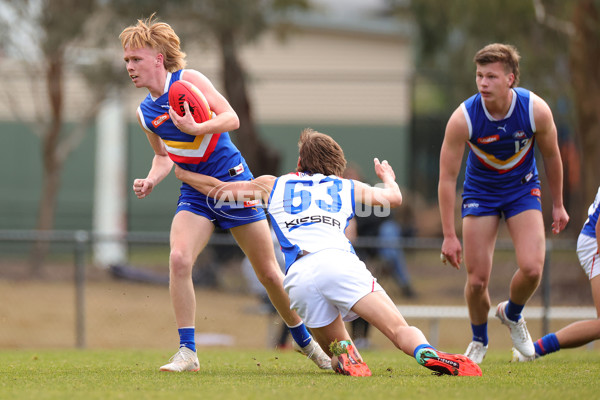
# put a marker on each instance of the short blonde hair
(503, 53)
(320, 154)
(158, 36)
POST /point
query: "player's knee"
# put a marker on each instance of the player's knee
(477, 284)
(269, 276)
(532, 273)
(180, 263)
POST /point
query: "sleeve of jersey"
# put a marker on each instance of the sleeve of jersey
(352, 199)
(140, 114)
(531, 116)
(463, 107)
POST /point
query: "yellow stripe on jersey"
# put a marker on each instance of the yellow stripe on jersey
(185, 145)
(188, 145)
(503, 165)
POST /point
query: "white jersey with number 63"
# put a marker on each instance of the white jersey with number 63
(310, 213)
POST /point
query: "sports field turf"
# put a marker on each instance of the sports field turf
(265, 374)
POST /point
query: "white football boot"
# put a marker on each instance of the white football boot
(518, 357)
(315, 353)
(476, 351)
(184, 360)
(518, 331)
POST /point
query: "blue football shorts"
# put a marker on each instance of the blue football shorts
(508, 204)
(223, 215)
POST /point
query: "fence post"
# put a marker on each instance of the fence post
(81, 239)
(546, 289)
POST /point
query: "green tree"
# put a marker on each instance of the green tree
(48, 38)
(585, 64)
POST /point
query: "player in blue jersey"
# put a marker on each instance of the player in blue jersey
(154, 60)
(581, 332)
(500, 124)
(326, 281)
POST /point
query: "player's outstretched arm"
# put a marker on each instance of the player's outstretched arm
(256, 189)
(388, 196)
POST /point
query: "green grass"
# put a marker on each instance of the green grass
(264, 374)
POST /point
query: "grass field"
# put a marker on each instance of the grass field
(37, 320)
(265, 374)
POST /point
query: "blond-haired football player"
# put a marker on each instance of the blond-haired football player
(154, 61)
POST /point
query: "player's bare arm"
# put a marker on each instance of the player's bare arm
(451, 154)
(256, 189)
(161, 166)
(388, 196)
(225, 118)
(547, 140)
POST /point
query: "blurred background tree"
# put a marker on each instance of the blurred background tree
(584, 44)
(50, 38)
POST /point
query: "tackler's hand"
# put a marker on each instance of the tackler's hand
(384, 170)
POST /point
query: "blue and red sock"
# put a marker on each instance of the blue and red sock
(546, 345)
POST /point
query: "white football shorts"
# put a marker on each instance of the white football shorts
(327, 283)
(587, 251)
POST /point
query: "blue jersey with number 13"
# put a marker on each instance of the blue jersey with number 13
(502, 151)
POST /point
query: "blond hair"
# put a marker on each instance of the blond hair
(158, 36)
(502, 53)
(320, 154)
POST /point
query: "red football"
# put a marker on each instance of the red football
(181, 91)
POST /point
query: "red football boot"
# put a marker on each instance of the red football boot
(350, 363)
(446, 363)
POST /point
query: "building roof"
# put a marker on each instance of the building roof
(360, 16)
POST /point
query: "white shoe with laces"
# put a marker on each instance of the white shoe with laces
(184, 360)
(518, 331)
(476, 351)
(518, 357)
(315, 353)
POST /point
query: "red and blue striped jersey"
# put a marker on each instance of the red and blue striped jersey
(502, 151)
